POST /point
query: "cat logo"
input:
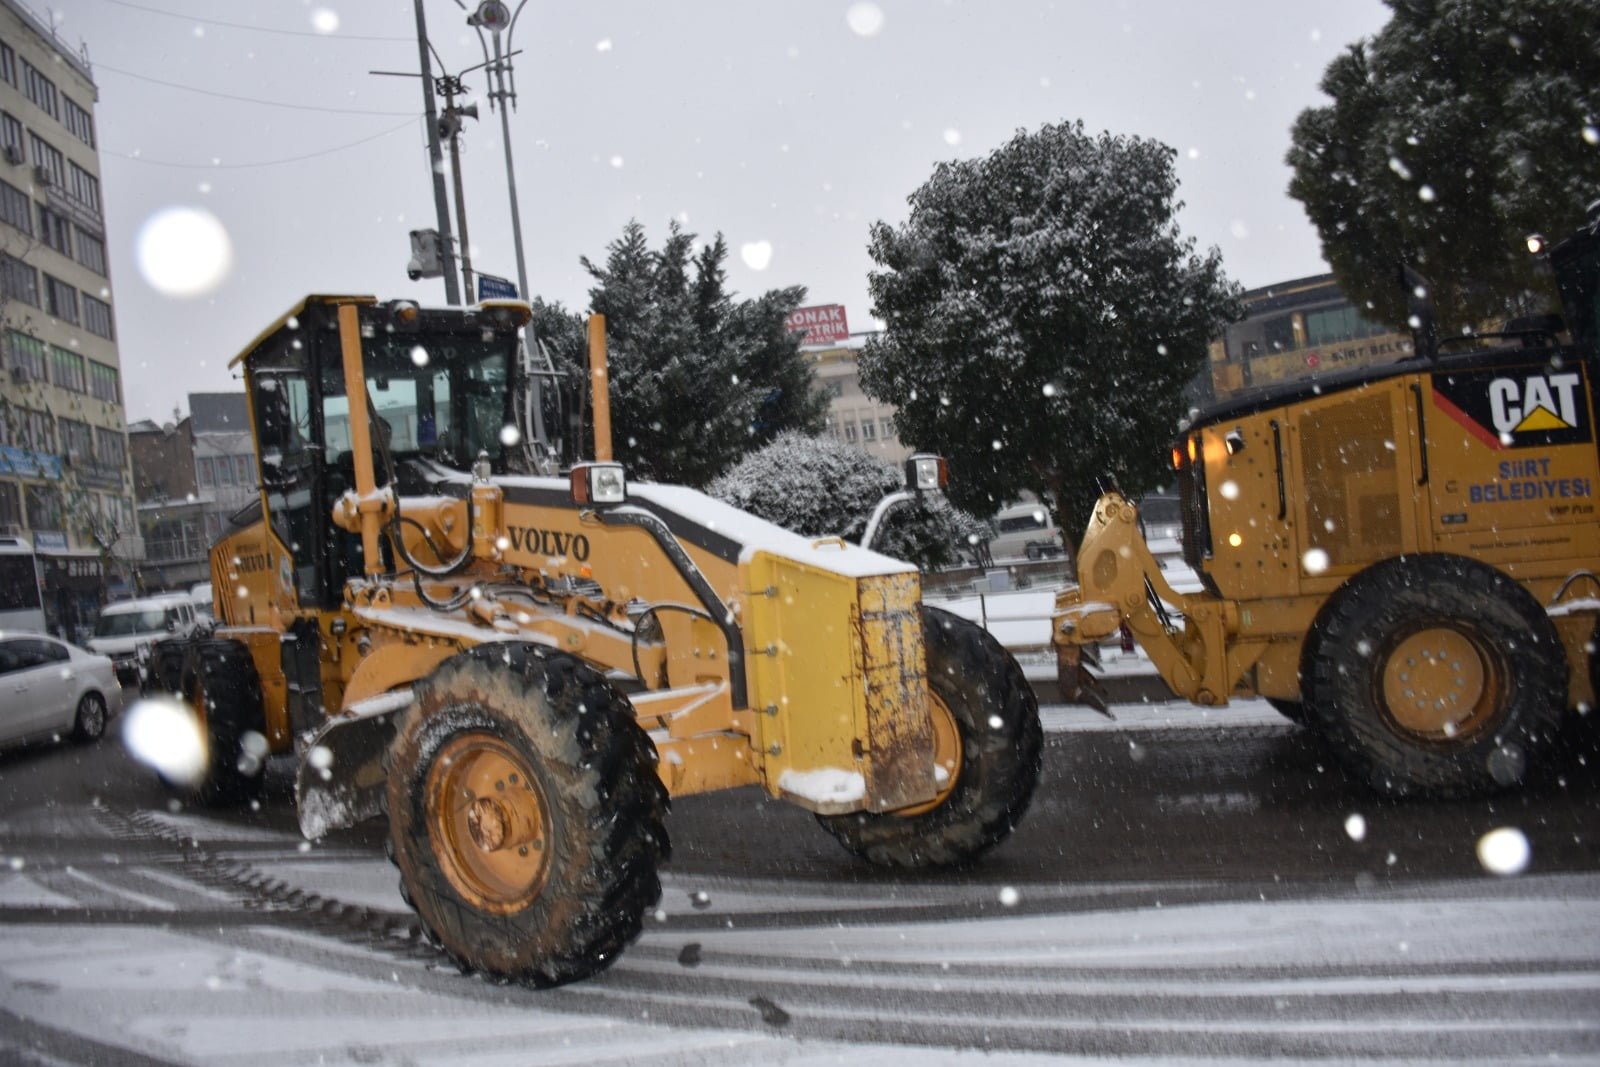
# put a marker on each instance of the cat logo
(1540, 402)
(1523, 407)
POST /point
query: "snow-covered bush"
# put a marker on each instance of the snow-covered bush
(818, 487)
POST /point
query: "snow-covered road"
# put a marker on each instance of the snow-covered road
(132, 934)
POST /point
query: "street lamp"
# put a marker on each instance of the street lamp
(501, 22)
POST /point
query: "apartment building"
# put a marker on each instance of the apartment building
(64, 476)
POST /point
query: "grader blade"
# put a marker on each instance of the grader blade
(343, 771)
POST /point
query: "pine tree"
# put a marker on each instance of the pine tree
(698, 378)
(1459, 129)
(1042, 316)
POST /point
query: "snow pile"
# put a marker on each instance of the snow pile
(826, 785)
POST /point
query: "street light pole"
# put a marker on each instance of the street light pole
(501, 22)
(498, 72)
(441, 203)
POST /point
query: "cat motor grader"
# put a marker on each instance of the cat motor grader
(450, 644)
(1401, 557)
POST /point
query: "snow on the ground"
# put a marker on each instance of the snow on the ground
(1167, 715)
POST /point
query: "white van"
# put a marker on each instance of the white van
(200, 600)
(1025, 530)
(124, 628)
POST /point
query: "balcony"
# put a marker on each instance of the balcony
(187, 548)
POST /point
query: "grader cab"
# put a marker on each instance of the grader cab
(1403, 558)
(521, 671)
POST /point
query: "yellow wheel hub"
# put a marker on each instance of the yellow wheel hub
(1439, 685)
(946, 754)
(488, 823)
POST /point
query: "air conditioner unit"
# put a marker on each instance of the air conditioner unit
(41, 175)
(13, 154)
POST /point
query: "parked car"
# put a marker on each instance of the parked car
(1025, 530)
(49, 688)
(124, 628)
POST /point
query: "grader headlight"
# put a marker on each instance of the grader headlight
(598, 484)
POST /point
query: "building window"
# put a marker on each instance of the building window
(16, 210)
(11, 137)
(51, 164)
(1338, 324)
(8, 64)
(241, 469)
(224, 465)
(78, 121)
(92, 252)
(41, 90)
(886, 427)
(111, 448)
(44, 507)
(77, 442)
(25, 354)
(66, 370)
(204, 476)
(833, 388)
(1278, 334)
(27, 429)
(10, 504)
(97, 317)
(18, 281)
(850, 431)
(55, 230)
(85, 188)
(103, 383)
(869, 430)
(61, 299)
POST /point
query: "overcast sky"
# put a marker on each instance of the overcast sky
(788, 125)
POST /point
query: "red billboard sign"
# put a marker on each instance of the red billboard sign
(823, 325)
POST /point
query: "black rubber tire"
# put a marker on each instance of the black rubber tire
(1293, 710)
(163, 674)
(217, 678)
(226, 684)
(605, 805)
(89, 722)
(1377, 610)
(997, 716)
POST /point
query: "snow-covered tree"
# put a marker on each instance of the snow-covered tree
(1042, 316)
(698, 378)
(1463, 126)
(819, 487)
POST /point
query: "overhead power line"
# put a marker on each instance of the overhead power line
(137, 158)
(249, 99)
(256, 29)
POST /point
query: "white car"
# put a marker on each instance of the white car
(49, 688)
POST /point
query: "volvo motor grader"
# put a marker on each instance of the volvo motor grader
(520, 671)
(1402, 557)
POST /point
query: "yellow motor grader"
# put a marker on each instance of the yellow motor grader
(520, 671)
(1402, 557)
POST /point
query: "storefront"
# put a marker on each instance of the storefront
(73, 583)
